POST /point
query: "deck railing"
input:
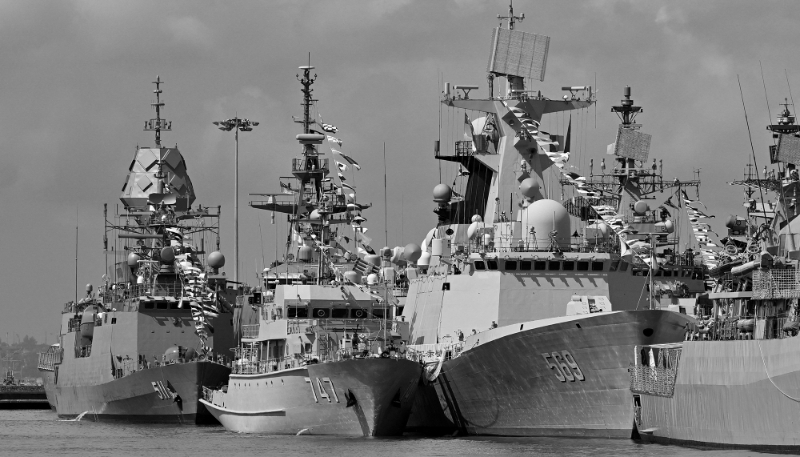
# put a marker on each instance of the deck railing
(49, 359)
(653, 380)
(250, 330)
(771, 284)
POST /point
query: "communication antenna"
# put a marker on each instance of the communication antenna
(511, 18)
(157, 124)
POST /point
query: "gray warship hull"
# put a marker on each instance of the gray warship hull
(730, 394)
(509, 381)
(364, 397)
(168, 394)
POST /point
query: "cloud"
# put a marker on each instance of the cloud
(189, 30)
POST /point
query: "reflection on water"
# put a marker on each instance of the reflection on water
(41, 433)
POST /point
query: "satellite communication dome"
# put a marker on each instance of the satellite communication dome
(305, 253)
(669, 225)
(314, 216)
(477, 218)
(89, 288)
(140, 280)
(412, 252)
(167, 255)
(442, 193)
(386, 252)
(397, 255)
(605, 230)
(172, 354)
(641, 207)
(133, 259)
(474, 228)
(424, 260)
(372, 279)
(216, 260)
(529, 187)
(544, 216)
(374, 259)
(353, 276)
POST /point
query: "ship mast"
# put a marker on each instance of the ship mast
(511, 18)
(157, 125)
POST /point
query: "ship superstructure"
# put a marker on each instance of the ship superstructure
(526, 316)
(158, 329)
(320, 352)
(735, 383)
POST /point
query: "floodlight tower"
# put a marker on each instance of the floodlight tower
(245, 125)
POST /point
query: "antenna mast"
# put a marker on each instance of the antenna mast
(511, 18)
(157, 124)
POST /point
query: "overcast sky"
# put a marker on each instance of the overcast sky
(75, 88)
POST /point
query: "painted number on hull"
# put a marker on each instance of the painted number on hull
(164, 392)
(564, 364)
(321, 388)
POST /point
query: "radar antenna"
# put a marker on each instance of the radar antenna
(157, 124)
(511, 18)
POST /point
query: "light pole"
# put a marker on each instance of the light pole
(245, 125)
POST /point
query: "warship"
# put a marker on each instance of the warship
(157, 330)
(525, 299)
(20, 394)
(736, 382)
(320, 351)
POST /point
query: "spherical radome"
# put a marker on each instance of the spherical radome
(544, 216)
(442, 193)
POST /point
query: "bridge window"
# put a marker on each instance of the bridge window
(339, 313)
(539, 264)
(614, 265)
(583, 266)
(149, 305)
(525, 265)
(511, 265)
(296, 312)
(161, 305)
(554, 265)
(480, 265)
(378, 313)
(597, 266)
(569, 265)
(492, 264)
(173, 305)
(667, 272)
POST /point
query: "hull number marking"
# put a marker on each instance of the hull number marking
(322, 392)
(565, 366)
(164, 392)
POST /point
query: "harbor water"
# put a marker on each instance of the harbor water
(41, 433)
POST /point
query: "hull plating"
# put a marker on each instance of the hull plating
(730, 394)
(511, 386)
(370, 397)
(162, 394)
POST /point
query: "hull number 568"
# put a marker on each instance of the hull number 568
(565, 366)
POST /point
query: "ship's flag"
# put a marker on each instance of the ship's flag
(342, 167)
(287, 188)
(569, 132)
(469, 131)
(329, 128)
(462, 171)
(344, 184)
(333, 139)
(669, 203)
(341, 177)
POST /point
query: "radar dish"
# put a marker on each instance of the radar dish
(632, 144)
(518, 53)
(788, 149)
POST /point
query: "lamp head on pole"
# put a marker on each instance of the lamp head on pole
(245, 125)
